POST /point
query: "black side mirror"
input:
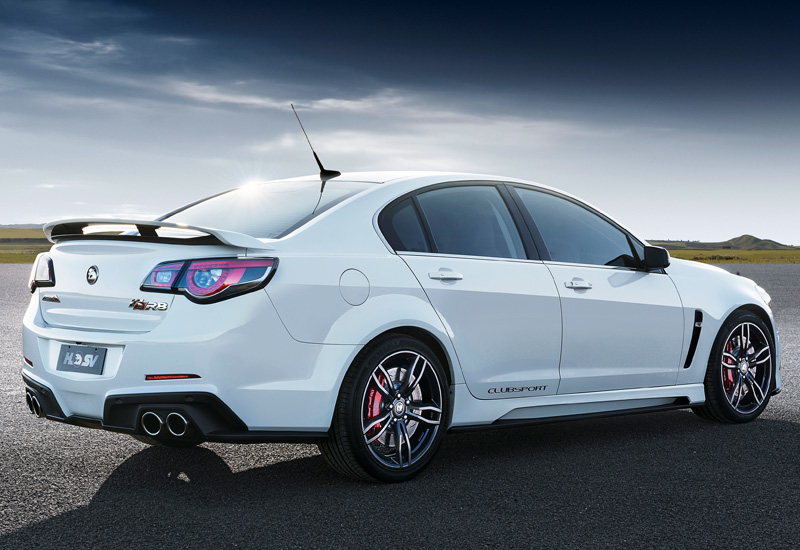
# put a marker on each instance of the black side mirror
(655, 257)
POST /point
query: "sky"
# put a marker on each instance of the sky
(680, 120)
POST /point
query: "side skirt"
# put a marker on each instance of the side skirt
(680, 403)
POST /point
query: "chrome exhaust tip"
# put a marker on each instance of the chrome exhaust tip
(29, 401)
(35, 407)
(152, 423)
(177, 424)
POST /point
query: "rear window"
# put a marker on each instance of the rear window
(266, 210)
(471, 221)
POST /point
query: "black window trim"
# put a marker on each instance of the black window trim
(534, 229)
(523, 230)
(426, 228)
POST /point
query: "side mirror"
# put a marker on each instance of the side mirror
(655, 257)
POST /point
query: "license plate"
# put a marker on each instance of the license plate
(84, 359)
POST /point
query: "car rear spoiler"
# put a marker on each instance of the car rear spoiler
(109, 229)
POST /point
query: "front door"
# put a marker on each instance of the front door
(623, 326)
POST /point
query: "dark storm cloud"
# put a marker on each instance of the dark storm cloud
(181, 99)
(659, 53)
(690, 51)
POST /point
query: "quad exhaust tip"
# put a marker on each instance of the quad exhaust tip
(177, 424)
(152, 423)
(33, 405)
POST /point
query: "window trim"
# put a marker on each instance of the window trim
(523, 230)
(538, 236)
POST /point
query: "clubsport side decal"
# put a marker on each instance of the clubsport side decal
(517, 389)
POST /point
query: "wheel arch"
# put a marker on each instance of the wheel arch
(427, 338)
(761, 314)
(442, 351)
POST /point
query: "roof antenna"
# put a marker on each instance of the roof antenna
(324, 174)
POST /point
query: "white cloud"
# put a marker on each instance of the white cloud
(212, 94)
(209, 93)
(70, 101)
(378, 102)
(53, 51)
(462, 141)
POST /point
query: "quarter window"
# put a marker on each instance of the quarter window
(472, 221)
(402, 228)
(574, 234)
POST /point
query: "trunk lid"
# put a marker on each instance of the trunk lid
(120, 254)
(108, 303)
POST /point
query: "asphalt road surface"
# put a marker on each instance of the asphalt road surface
(659, 480)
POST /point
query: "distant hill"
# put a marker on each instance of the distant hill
(22, 226)
(748, 242)
(745, 242)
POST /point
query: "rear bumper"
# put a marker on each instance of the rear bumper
(269, 386)
(209, 419)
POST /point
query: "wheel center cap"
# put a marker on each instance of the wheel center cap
(399, 408)
(743, 366)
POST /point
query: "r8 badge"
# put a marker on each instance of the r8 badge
(144, 305)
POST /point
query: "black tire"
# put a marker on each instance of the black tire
(171, 443)
(365, 399)
(739, 379)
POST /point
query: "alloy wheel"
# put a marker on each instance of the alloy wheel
(401, 409)
(746, 367)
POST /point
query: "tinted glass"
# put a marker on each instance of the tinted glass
(267, 210)
(576, 235)
(473, 221)
(402, 228)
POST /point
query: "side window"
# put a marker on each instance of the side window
(472, 221)
(402, 228)
(577, 235)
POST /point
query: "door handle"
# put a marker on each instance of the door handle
(578, 284)
(445, 275)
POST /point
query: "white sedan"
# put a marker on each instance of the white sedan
(372, 313)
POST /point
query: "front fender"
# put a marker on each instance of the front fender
(717, 294)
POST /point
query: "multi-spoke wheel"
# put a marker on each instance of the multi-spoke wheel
(392, 412)
(740, 371)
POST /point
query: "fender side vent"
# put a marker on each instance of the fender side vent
(698, 326)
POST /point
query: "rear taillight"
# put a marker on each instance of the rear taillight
(212, 279)
(164, 275)
(42, 274)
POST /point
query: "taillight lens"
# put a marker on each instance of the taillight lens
(164, 275)
(42, 274)
(212, 279)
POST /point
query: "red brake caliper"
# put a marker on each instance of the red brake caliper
(374, 406)
(727, 377)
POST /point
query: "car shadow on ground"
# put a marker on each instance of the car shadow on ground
(657, 480)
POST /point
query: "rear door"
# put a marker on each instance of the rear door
(623, 327)
(498, 301)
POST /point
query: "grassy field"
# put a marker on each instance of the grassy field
(21, 253)
(20, 246)
(12, 233)
(728, 256)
